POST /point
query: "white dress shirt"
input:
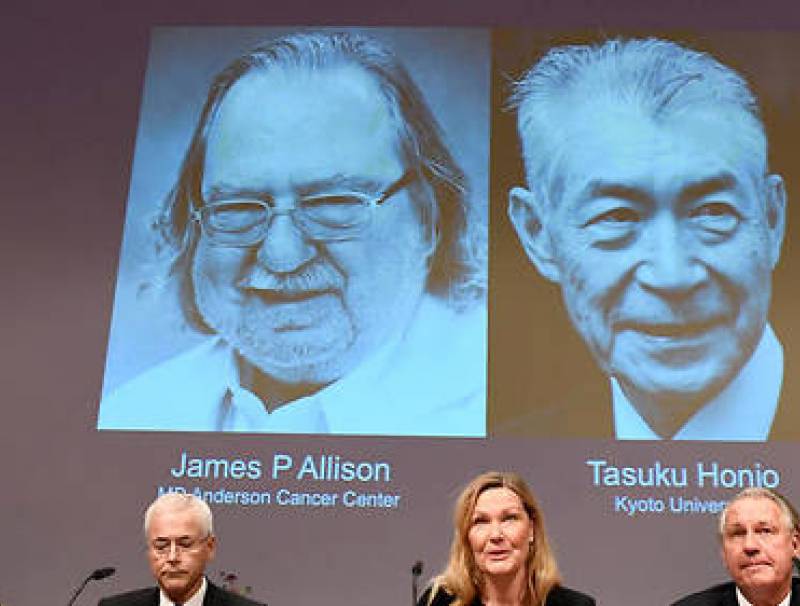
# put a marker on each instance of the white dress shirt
(743, 600)
(428, 381)
(195, 600)
(742, 412)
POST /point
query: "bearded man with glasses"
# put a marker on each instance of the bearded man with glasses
(322, 230)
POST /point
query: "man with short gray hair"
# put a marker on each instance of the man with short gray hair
(180, 540)
(758, 543)
(650, 203)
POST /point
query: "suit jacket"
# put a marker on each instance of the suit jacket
(215, 596)
(725, 595)
(559, 596)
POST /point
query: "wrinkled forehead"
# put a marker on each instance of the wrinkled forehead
(752, 511)
(608, 126)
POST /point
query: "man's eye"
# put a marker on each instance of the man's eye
(717, 217)
(334, 200)
(235, 215)
(235, 208)
(615, 216)
(614, 227)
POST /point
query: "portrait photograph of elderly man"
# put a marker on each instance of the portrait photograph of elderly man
(323, 232)
(650, 203)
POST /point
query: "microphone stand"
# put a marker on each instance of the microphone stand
(416, 572)
(96, 575)
(79, 590)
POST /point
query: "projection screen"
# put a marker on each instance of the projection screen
(329, 386)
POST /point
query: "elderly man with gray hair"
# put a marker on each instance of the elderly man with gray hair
(321, 231)
(180, 539)
(758, 542)
(650, 203)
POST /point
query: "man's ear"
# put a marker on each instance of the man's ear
(776, 214)
(526, 212)
(212, 546)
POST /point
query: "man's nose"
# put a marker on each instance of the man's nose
(285, 248)
(174, 552)
(751, 543)
(669, 262)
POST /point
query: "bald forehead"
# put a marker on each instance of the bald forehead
(276, 89)
(302, 118)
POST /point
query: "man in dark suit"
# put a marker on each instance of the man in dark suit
(759, 540)
(180, 542)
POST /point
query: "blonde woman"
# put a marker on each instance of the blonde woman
(500, 554)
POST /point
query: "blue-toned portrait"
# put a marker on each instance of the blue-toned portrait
(305, 243)
(650, 204)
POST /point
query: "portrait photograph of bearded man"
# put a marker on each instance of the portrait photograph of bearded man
(650, 202)
(314, 209)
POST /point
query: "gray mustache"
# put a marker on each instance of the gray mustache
(318, 277)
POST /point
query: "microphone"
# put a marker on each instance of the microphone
(96, 575)
(416, 572)
(102, 573)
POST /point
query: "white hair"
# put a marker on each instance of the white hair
(657, 77)
(788, 515)
(175, 501)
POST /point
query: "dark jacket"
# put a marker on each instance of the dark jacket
(725, 595)
(215, 596)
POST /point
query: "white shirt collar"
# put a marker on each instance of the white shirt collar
(743, 600)
(408, 395)
(195, 600)
(743, 411)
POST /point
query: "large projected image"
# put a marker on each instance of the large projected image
(649, 197)
(349, 283)
(323, 241)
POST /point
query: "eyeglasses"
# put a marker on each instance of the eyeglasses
(163, 547)
(324, 216)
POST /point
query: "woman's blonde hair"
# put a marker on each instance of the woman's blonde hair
(462, 579)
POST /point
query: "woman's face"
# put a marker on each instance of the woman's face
(500, 533)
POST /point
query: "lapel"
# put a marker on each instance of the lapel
(210, 598)
(795, 601)
(729, 597)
